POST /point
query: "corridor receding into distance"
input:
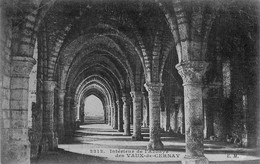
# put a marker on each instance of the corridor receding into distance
(94, 109)
(129, 81)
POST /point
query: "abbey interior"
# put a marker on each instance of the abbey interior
(166, 72)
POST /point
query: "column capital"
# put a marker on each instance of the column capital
(68, 98)
(136, 95)
(118, 102)
(22, 66)
(49, 85)
(192, 71)
(126, 99)
(154, 88)
(62, 93)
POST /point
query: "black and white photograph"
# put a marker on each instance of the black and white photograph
(129, 81)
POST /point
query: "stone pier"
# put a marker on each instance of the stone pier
(108, 115)
(112, 115)
(73, 116)
(154, 90)
(126, 108)
(67, 116)
(17, 147)
(137, 109)
(115, 117)
(61, 95)
(82, 115)
(192, 73)
(120, 116)
(48, 116)
(213, 117)
(145, 110)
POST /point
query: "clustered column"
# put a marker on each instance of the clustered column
(61, 115)
(17, 149)
(120, 116)
(154, 90)
(48, 115)
(126, 108)
(192, 73)
(137, 107)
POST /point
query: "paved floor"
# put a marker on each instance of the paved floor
(99, 143)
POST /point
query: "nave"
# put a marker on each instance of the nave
(188, 67)
(95, 142)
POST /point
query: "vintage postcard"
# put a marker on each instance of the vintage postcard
(129, 81)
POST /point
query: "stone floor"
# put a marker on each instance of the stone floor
(99, 143)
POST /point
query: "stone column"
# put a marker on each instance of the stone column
(154, 90)
(48, 115)
(61, 115)
(67, 115)
(108, 115)
(112, 115)
(126, 108)
(115, 119)
(131, 113)
(82, 116)
(212, 107)
(105, 115)
(120, 116)
(145, 110)
(192, 73)
(137, 109)
(181, 109)
(73, 115)
(116, 116)
(216, 102)
(17, 147)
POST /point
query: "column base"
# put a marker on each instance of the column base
(49, 141)
(155, 145)
(115, 128)
(61, 137)
(195, 160)
(137, 138)
(127, 134)
(120, 130)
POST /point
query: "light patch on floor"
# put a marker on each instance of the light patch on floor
(101, 140)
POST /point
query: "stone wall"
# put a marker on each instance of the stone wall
(5, 54)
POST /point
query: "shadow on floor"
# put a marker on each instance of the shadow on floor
(102, 136)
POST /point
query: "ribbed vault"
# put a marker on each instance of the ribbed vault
(188, 67)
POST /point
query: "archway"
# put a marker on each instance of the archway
(93, 110)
